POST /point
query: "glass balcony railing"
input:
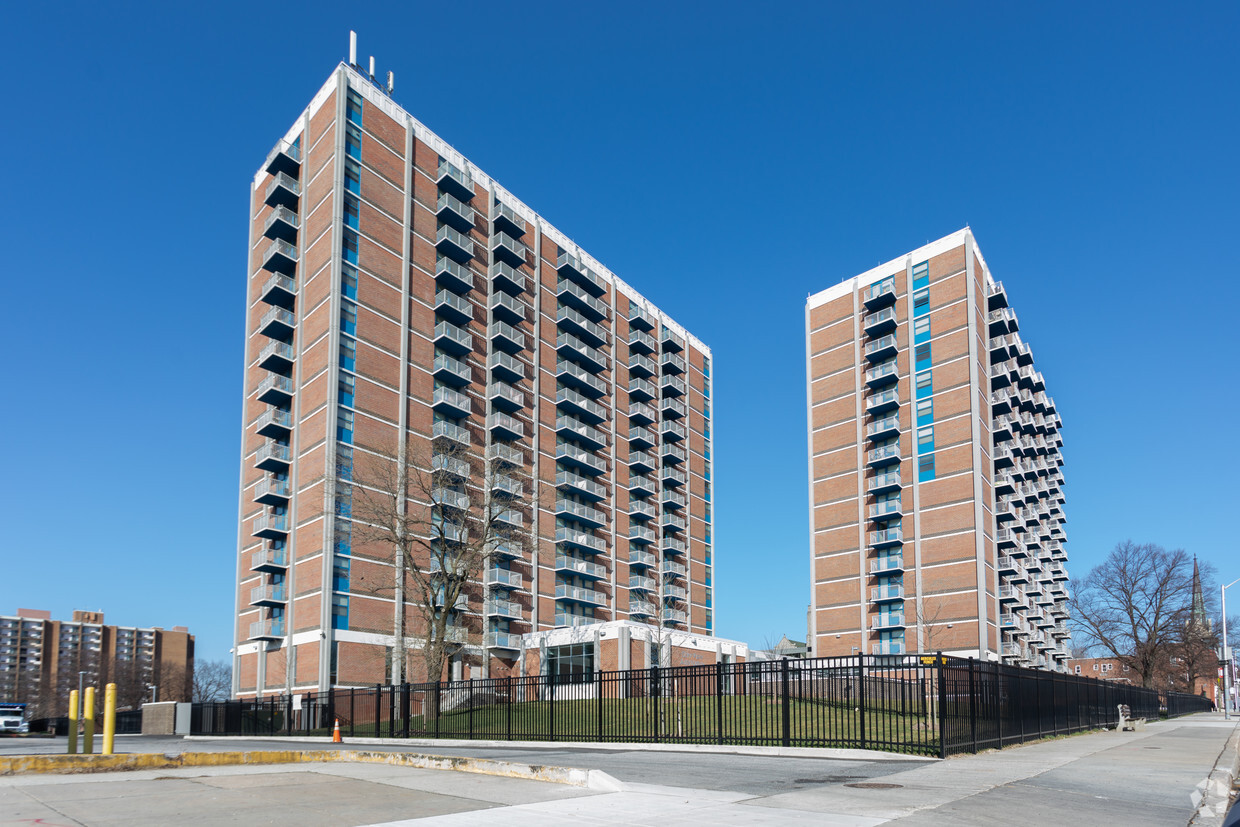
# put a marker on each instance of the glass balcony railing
(581, 539)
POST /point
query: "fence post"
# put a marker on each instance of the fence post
(509, 709)
(471, 708)
(405, 708)
(655, 690)
(438, 694)
(973, 703)
(861, 695)
(719, 702)
(352, 712)
(785, 711)
(998, 702)
(942, 706)
(599, 684)
(378, 710)
(551, 687)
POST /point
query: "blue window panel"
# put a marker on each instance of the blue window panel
(345, 390)
(925, 412)
(925, 468)
(925, 384)
(348, 354)
(925, 440)
(353, 107)
(921, 274)
(348, 281)
(340, 611)
(921, 301)
(348, 247)
(343, 543)
(348, 318)
(921, 330)
(353, 141)
(922, 356)
(352, 212)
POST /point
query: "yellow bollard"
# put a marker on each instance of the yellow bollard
(109, 718)
(88, 712)
(73, 718)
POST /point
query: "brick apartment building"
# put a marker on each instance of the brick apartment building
(397, 292)
(936, 487)
(40, 659)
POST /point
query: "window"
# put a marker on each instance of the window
(340, 612)
(925, 468)
(921, 329)
(352, 176)
(348, 353)
(925, 384)
(344, 462)
(353, 107)
(343, 540)
(705, 367)
(353, 140)
(925, 439)
(346, 389)
(922, 355)
(921, 274)
(1106, 667)
(348, 281)
(1077, 669)
(344, 426)
(352, 211)
(340, 574)
(573, 663)
(925, 411)
(348, 318)
(921, 301)
(349, 246)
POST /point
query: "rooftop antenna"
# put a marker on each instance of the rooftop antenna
(391, 84)
(372, 68)
(352, 48)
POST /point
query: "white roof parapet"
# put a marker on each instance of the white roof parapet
(376, 97)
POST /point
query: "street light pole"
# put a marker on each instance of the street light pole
(1226, 653)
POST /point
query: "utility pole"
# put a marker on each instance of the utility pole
(1226, 654)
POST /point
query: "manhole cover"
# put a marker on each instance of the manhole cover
(875, 785)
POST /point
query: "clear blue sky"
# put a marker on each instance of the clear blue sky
(726, 159)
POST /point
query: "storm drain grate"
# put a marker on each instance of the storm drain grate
(874, 785)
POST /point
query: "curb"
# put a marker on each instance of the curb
(715, 749)
(1214, 793)
(82, 764)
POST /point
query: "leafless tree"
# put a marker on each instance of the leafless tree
(212, 680)
(445, 513)
(1136, 606)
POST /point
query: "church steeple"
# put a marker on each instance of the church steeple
(1197, 616)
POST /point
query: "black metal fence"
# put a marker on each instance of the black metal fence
(930, 705)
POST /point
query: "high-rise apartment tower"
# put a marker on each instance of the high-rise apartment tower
(396, 292)
(936, 482)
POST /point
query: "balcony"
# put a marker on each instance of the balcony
(504, 485)
(671, 452)
(507, 219)
(505, 397)
(641, 461)
(640, 534)
(571, 454)
(452, 339)
(673, 569)
(450, 465)
(575, 322)
(453, 179)
(887, 621)
(641, 438)
(883, 374)
(892, 536)
(884, 428)
(566, 564)
(270, 629)
(1011, 594)
(570, 427)
(272, 491)
(285, 157)
(503, 578)
(454, 308)
(641, 608)
(455, 277)
(452, 402)
(671, 339)
(277, 323)
(641, 509)
(282, 224)
(570, 373)
(880, 349)
(505, 366)
(495, 607)
(580, 594)
(275, 389)
(886, 510)
(641, 558)
(673, 363)
(268, 595)
(642, 390)
(672, 545)
(673, 385)
(880, 322)
(571, 347)
(881, 483)
(1002, 321)
(274, 560)
(641, 366)
(505, 426)
(641, 485)
(881, 294)
(572, 267)
(888, 564)
(673, 522)
(641, 318)
(279, 290)
(582, 513)
(271, 526)
(676, 616)
(674, 499)
(454, 245)
(274, 422)
(512, 517)
(584, 486)
(888, 647)
(448, 368)
(641, 414)
(577, 403)
(572, 294)
(282, 191)
(671, 592)
(508, 308)
(583, 540)
(891, 591)
(503, 640)
(455, 213)
(508, 249)
(572, 620)
(442, 429)
(451, 499)
(273, 456)
(641, 342)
